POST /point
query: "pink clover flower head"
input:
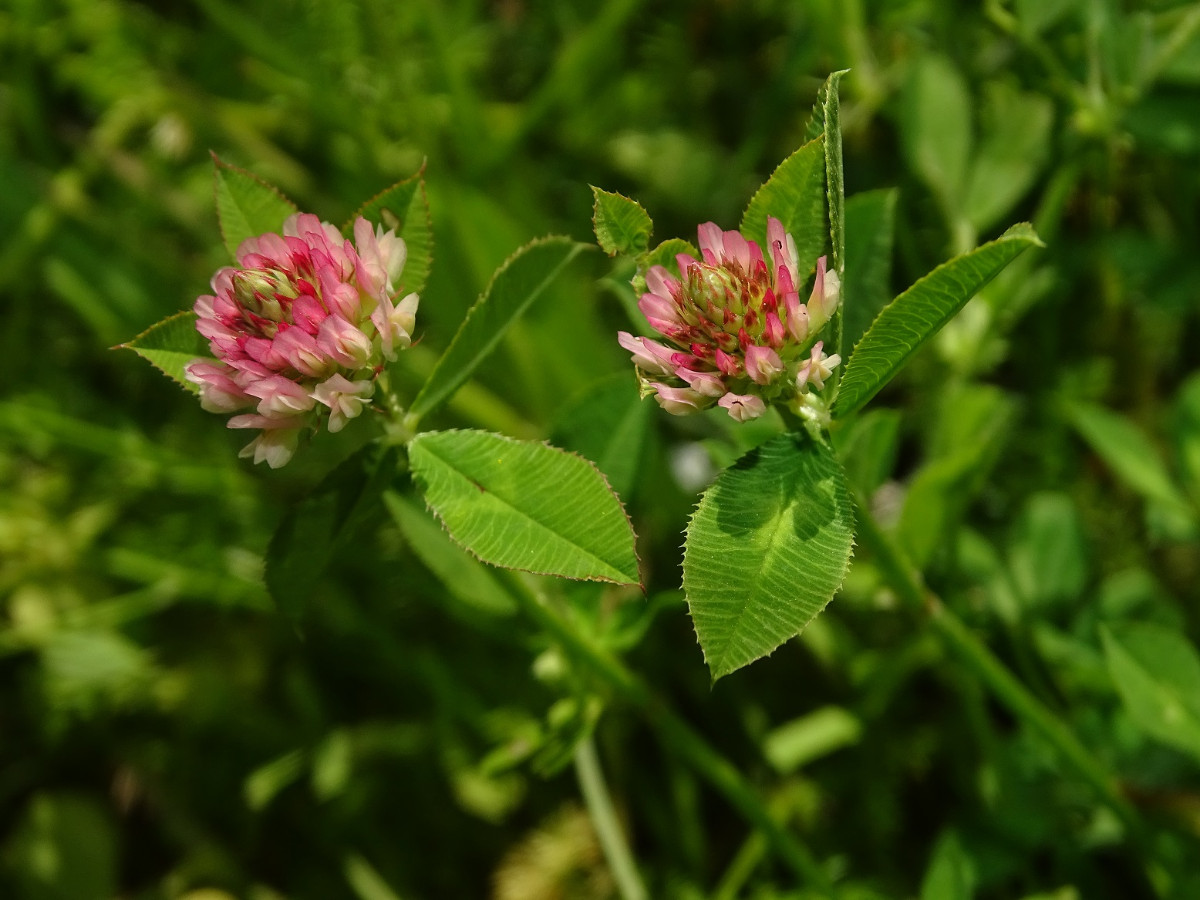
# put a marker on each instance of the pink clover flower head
(300, 329)
(733, 330)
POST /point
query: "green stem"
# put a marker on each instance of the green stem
(604, 820)
(681, 738)
(393, 419)
(992, 672)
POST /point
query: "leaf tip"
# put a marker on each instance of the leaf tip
(1023, 231)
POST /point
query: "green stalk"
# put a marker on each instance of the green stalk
(675, 733)
(604, 820)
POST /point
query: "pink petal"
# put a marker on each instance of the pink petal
(679, 401)
(659, 306)
(280, 397)
(797, 317)
(773, 330)
(300, 351)
(742, 407)
(263, 350)
(396, 323)
(712, 242)
(648, 355)
(341, 341)
(783, 249)
(704, 383)
(275, 446)
(308, 313)
(344, 398)
(222, 280)
(685, 261)
(726, 363)
(737, 249)
(762, 364)
(660, 281)
(267, 423)
(219, 393)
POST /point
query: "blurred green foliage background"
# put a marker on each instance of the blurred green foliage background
(166, 733)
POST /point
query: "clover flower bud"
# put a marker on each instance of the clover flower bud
(733, 327)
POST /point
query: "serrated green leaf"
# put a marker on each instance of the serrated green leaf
(919, 313)
(621, 224)
(515, 286)
(525, 505)
(170, 345)
(795, 195)
(766, 550)
(323, 523)
(835, 189)
(1157, 673)
(404, 207)
(1128, 451)
(662, 255)
(816, 121)
(463, 576)
(246, 205)
(835, 197)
